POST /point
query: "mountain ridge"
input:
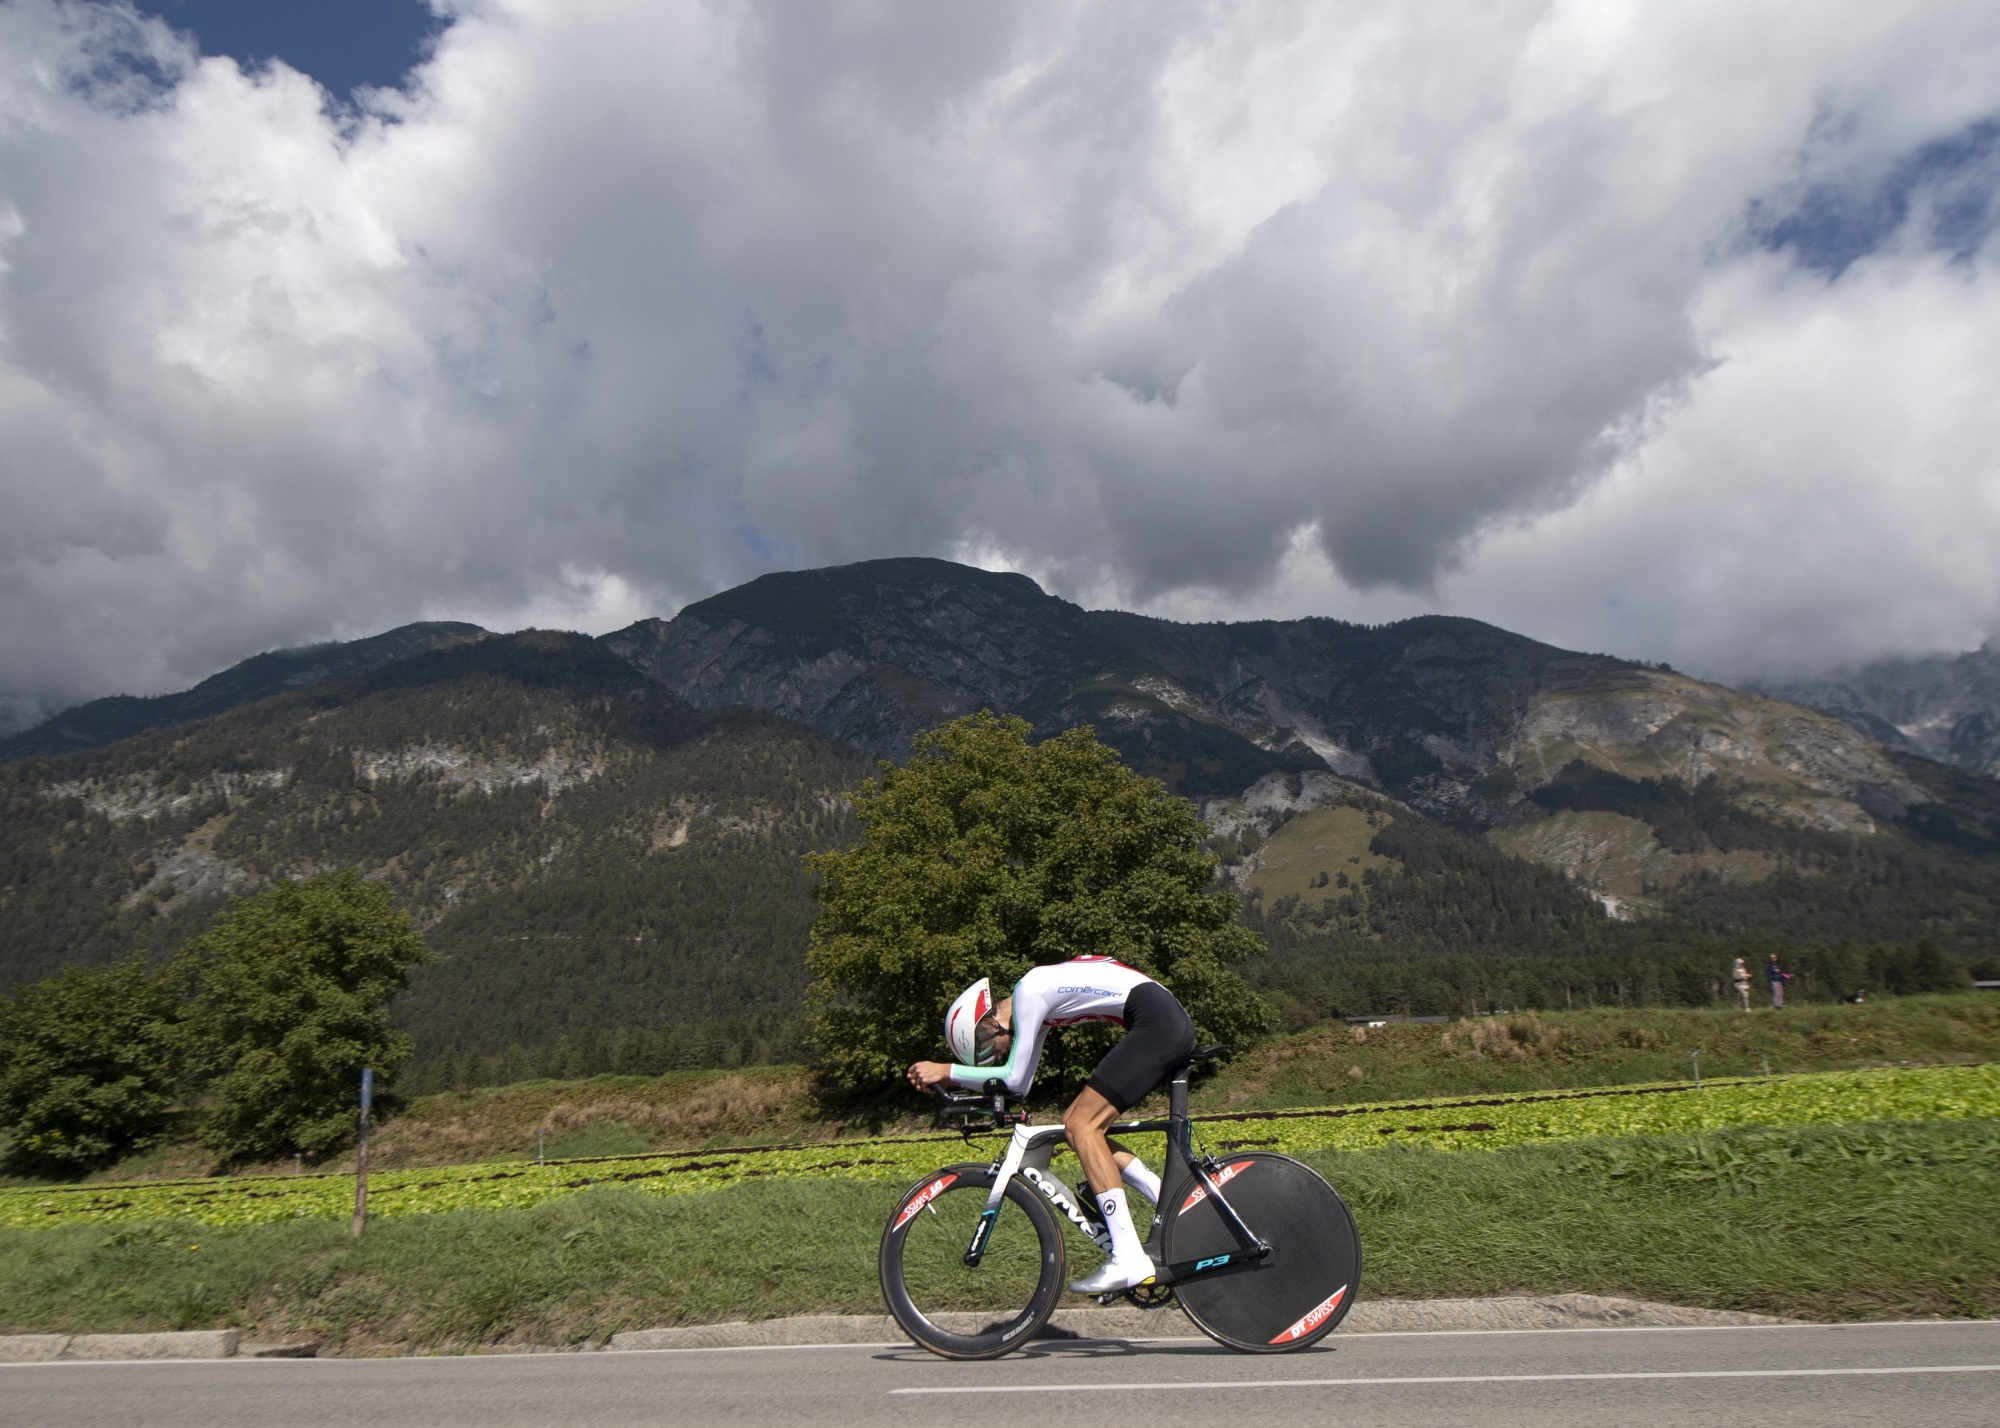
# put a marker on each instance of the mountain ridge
(1458, 718)
(98, 722)
(1943, 707)
(1454, 716)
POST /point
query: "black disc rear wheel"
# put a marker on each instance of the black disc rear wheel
(955, 1310)
(1304, 1288)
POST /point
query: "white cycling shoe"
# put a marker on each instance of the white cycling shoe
(1111, 1277)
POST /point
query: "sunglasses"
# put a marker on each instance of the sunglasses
(988, 1031)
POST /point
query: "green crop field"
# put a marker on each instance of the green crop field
(1823, 1222)
(1945, 1093)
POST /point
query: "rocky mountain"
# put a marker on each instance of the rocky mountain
(105, 721)
(872, 654)
(1456, 718)
(606, 833)
(583, 850)
(1944, 707)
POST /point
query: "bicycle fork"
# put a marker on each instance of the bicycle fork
(1029, 1150)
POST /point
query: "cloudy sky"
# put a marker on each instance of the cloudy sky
(1665, 330)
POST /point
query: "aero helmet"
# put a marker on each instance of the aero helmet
(972, 1005)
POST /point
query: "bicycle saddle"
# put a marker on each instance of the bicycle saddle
(1199, 1055)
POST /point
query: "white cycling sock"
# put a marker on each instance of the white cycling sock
(1125, 1246)
(1141, 1179)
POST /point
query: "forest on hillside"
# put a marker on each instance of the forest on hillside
(613, 881)
(1458, 927)
(582, 852)
(1454, 925)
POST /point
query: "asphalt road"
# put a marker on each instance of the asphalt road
(1937, 1375)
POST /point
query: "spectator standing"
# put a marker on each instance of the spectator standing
(1777, 976)
(1741, 977)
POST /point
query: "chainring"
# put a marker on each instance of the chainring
(1151, 1296)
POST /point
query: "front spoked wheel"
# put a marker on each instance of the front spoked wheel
(1306, 1286)
(950, 1308)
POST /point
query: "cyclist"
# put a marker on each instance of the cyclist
(1003, 1042)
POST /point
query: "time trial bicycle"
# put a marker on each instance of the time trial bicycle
(972, 1261)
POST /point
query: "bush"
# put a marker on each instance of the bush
(87, 1066)
(289, 1000)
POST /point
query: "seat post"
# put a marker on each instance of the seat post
(1177, 1109)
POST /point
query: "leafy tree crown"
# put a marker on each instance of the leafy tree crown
(88, 1066)
(290, 996)
(986, 855)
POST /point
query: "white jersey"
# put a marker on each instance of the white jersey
(1087, 989)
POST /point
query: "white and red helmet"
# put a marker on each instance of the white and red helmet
(964, 1017)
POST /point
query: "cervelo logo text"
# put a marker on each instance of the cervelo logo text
(1089, 991)
(1200, 1192)
(1313, 1320)
(1052, 1191)
(929, 1193)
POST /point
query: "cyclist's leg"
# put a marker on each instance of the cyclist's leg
(1086, 1120)
(1135, 1173)
(1158, 1036)
(1085, 1123)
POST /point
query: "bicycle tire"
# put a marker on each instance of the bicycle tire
(1294, 1297)
(936, 1298)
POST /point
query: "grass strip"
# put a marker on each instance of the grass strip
(1483, 1123)
(1828, 1222)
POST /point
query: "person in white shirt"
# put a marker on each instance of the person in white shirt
(1003, 1042)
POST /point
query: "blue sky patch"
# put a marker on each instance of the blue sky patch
(1949, 184)
(343, 44)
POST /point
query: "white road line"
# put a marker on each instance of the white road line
(1345, 1335)
(1337, 1338)
(452, 1358)
(1448, 1378)
(753, 1348)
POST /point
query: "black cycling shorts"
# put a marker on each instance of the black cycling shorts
(1158, 1037)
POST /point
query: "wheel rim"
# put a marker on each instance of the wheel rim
(963, 1301)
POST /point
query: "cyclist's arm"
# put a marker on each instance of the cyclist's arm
(1018, 1072)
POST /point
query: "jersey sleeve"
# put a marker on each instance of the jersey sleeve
(1018, 1072)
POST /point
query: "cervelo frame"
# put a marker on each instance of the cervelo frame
(1030, 1148)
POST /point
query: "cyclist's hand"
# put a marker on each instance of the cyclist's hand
(926, 1074)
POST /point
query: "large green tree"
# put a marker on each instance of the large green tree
(986, 855)
(88, 1066)
(289, 998)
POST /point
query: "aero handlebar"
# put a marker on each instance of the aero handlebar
(994, 1107)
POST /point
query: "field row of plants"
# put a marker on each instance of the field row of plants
(1486, 1122)
(1678, 1108)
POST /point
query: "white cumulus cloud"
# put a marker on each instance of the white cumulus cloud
(1661, 329)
